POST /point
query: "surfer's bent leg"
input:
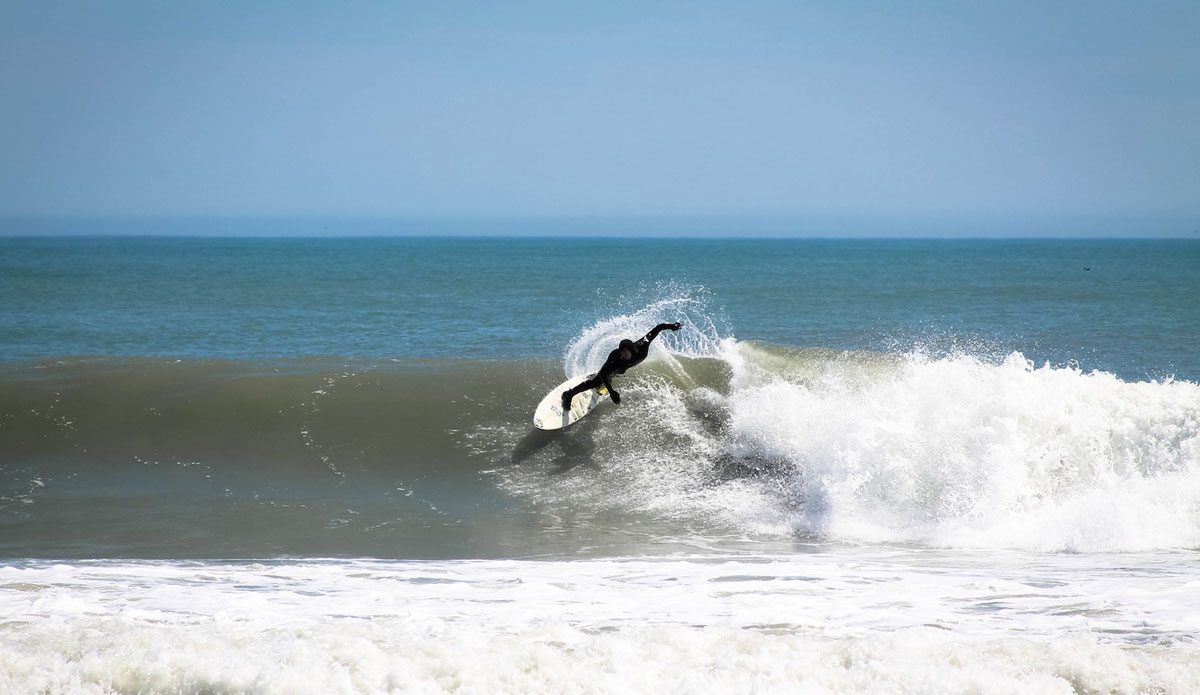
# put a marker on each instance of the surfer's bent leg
(580, 388)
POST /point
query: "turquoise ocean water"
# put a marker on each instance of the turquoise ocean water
(1129, 307)
(308, 465)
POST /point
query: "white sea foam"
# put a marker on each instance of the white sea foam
(834, 622)
(960, 452)
(946, 451)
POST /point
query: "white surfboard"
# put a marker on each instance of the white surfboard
(549, 414)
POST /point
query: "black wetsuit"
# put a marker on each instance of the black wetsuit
(615, 364)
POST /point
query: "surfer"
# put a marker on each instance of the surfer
(629, 353)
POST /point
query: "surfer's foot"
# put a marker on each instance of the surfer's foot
(566, 401)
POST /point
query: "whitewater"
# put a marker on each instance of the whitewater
(830, 622)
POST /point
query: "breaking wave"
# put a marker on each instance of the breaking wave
(716, 438)
(745, 438)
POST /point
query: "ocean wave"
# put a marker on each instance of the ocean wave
(293, 415)
(954, 450)
(105, 457)
(717, 438)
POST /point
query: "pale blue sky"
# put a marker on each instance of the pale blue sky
(542, 109)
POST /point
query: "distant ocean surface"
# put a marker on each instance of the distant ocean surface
(308, 465)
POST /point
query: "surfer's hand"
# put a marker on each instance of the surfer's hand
(615, 396)
(676, 326)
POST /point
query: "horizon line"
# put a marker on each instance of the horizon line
(708, 226)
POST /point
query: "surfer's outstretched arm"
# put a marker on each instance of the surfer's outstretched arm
(660, 328)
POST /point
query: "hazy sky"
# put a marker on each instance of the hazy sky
(599, 108)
